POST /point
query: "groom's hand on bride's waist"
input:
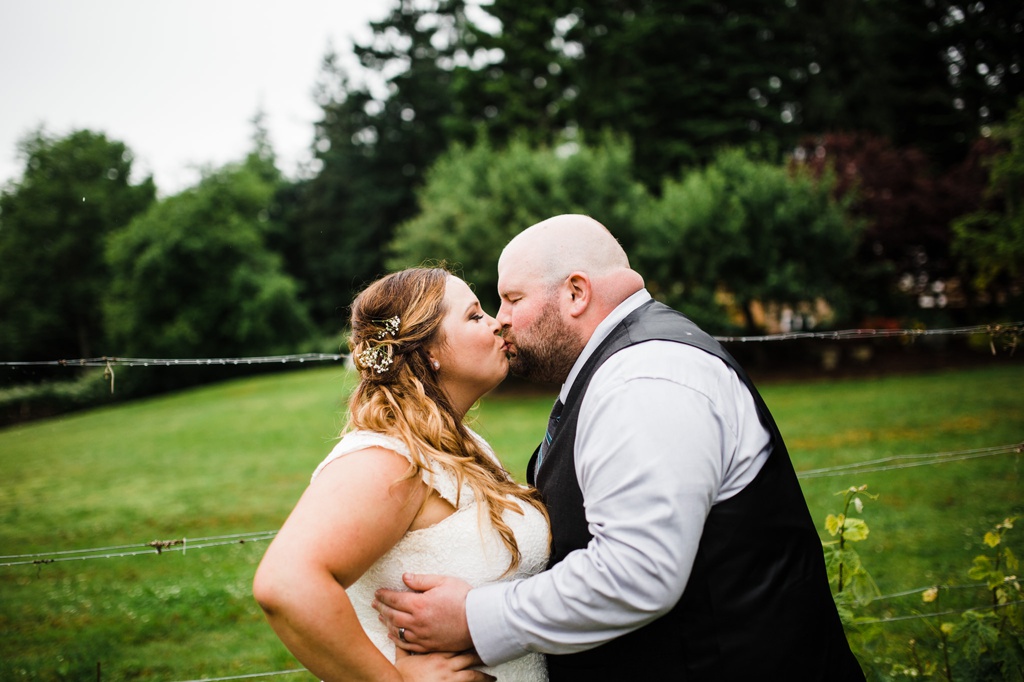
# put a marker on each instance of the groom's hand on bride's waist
(430, 618)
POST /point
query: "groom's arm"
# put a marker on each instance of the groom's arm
(651, 457)
(647, 492)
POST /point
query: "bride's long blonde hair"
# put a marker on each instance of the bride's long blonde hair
(399, 393)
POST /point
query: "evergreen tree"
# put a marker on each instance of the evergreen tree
(74, 192)
(991, 239)
(373, 143)
(513, 82)
(681, 79)
(685, 78)
(983, 52)
(923, 74)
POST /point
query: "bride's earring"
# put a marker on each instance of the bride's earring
(437, 365)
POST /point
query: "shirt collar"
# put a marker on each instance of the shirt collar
(600, 334)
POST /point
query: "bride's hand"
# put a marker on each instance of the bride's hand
(440, 667)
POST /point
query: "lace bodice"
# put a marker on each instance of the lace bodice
(464, 545)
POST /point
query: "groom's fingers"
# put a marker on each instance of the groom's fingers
(397, 622)
(434, 619)
(388, 602)
(421, 582)
(391, 603)
(406, 645)
(395, 609)
(402, 600)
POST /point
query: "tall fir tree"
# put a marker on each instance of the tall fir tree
(375, 139)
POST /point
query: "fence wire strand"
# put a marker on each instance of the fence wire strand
(994, 330)
(908, 461)
(184, 544)
(250, 676)
(1010, 330)
(859, 621)
(937, 614)
(154, 547)
(920, 590)
(106, 361)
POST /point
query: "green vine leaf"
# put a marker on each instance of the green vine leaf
(981, 568)
(864, 588)
(855, 530)
(1011, 560)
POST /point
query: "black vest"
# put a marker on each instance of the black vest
(757, 604)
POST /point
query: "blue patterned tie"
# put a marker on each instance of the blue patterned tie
(556, 414)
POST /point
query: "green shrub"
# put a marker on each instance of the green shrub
(35, 401)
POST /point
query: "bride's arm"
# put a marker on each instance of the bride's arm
(348, 517)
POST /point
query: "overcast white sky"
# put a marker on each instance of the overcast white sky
(177, 81)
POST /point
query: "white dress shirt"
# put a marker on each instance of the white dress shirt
(665, 431)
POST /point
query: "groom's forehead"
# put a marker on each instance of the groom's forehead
(516, 277)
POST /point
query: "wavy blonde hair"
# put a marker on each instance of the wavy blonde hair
(405, 400)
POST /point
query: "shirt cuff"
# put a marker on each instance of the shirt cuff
(492, 636)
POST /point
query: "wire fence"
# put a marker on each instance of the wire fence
(114, 361)
(157, 547)
(251, 676)
(183, 544)
(908, 461)
(1010, 332)
(936, 614)
(1005, 334)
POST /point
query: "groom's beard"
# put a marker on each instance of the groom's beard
(548, 352)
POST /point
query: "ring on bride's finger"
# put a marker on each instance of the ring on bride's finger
(401, 635)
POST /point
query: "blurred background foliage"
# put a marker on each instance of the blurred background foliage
(851, 163)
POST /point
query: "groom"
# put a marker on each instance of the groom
(682, 547)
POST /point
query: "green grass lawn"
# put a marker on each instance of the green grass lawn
(234, 458)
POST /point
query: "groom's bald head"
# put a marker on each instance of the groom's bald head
(555, 247)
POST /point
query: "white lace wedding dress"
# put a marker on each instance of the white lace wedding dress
(458, 546)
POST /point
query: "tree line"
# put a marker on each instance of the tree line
(845, 162)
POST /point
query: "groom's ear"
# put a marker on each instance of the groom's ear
(578, 288)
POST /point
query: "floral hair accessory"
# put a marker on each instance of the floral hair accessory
(378, 357)
(390, 326)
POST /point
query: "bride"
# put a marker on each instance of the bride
(408, 488)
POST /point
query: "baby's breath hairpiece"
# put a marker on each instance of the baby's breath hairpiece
(378, 357)
(390, 326)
